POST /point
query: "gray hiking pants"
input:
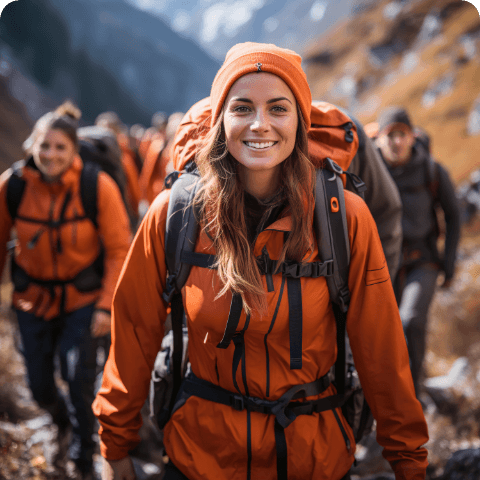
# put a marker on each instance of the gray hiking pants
(417, 295)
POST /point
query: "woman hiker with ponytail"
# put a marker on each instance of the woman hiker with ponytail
(256, 196)
(64, 269)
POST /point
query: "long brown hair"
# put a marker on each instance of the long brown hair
(221, 201)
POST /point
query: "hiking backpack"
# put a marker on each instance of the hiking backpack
(167, 392)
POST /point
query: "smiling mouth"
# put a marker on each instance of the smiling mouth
(260, 146)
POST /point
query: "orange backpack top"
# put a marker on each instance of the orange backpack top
(332, 134)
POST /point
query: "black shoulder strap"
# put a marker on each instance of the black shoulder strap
(331, 231)
(181, 231)
(88, 190)
(15, 188)
(180, 236)
(433, 177)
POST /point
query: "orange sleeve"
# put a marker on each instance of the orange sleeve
(138, 317)
(6, 222)
(133, 188)
(145, 145)
(380, 351)
(146, 176)
(163, 168)
(114, 231)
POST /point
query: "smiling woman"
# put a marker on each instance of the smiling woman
(260, 123)
(256, 335)
(53, 153)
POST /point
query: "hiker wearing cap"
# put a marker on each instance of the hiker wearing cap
(424, 186)
(382, 196)
(64, 267)
(256, 196)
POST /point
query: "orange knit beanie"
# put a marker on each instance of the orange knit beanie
(250, 57)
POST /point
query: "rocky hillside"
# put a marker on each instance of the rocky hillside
(422, 54)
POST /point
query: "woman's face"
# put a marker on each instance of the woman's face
(53, 153)
(260, 121)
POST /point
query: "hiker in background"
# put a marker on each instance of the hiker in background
(158, 164)
(257, 196)
(111, 121)
(64, 270)
(382, 196)
(155, 132)
(136, 133)
(424, 186)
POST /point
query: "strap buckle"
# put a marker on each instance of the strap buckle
(237, 402)
(292, 270)
(332, 166)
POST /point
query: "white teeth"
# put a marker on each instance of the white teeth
(260, 145)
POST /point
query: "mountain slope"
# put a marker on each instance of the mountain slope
(421, 54)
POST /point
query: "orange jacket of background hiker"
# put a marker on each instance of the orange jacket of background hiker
(80, 241)
(208, 440)
(156, 167)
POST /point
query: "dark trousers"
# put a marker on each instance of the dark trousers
(69, 338)
(414, 302)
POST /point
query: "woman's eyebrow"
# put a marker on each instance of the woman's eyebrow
(246, 100)
(273, 100)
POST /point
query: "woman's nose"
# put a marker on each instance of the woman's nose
(47, 153)
(260, 122)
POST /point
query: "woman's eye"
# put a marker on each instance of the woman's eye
(279, 108)
(61, 147)
(241, 109)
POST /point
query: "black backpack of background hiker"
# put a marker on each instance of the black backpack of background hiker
(99, 146)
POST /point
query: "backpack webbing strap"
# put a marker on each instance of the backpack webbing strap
(203, 260)
(281, 448)
(88, 190)
(177, 355)
(239, 342)
(181, 232)
(333, 243)
(236, 308)
(432, 175)
(295, 320)
(341, 321)
(15, 188)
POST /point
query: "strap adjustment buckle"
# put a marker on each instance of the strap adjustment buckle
(237, 402)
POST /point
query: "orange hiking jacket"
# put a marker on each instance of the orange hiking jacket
(61, 253)
(133, 187)
(208, 440)
(156, 167)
